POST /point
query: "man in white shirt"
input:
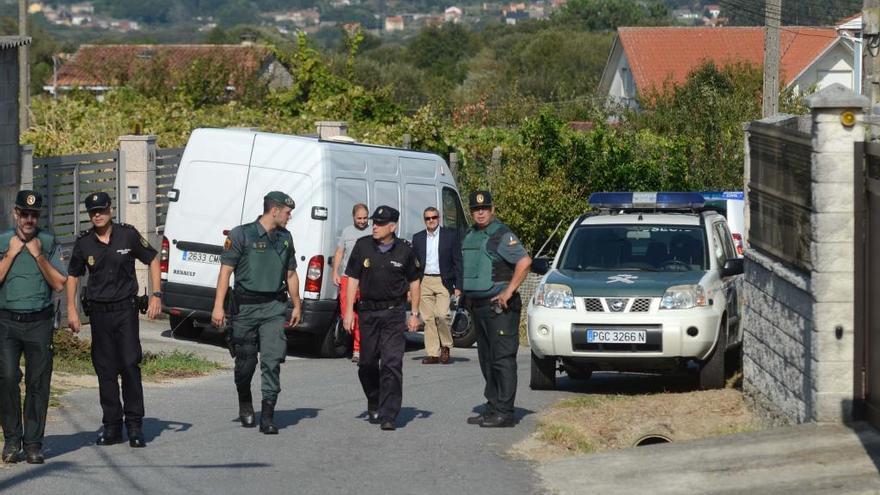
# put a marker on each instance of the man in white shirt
(439, 251)
(350, 235)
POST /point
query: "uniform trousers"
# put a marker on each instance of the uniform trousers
(34, 340)
(343, 299)
(380, 368)
(116, 351)
(434, 306)
(497, 345)
(259, 328)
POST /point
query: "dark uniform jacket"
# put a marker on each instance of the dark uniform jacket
(111, 266)
(383, 276)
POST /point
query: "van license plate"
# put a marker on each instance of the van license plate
(616, 336)
(197, 257)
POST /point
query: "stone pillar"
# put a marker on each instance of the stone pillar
(331, 128)
(136, 193)
(838, 122)
(27, 166)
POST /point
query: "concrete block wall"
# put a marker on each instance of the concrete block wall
(798, 333)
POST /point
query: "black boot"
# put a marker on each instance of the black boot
(111, 435)
(267, 426)
(246, 408)
(136, 436)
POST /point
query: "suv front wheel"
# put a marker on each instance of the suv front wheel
(712, 370)
(543, 375)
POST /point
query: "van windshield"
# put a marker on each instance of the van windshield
(635, 247)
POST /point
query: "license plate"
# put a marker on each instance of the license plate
(616, 336)
(197, 257)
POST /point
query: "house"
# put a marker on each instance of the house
(394, 23)
(452, 14)
(713, 11)
(644, 59)
(99, 68)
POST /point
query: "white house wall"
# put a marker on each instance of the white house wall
(835, 66)
(618, 92)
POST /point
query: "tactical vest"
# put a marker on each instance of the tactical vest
(25, 289)
(263, 266)
(483, 268)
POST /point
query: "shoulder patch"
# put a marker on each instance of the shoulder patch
(512, 241)
(144, 242)
(227, 244)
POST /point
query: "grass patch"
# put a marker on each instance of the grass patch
(585, 401)
(566, 437)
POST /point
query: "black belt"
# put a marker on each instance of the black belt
(380, 304)
(248, 297)
(25, 317)
(111, 306)
(432, 274)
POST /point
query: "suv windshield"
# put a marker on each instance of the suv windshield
(635, 247)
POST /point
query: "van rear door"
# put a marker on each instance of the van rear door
(283, 163)
(211, 183)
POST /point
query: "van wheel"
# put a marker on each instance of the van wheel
(464, 332)
(712, 370)
(543, 373)
(336, 343)
(184, 327)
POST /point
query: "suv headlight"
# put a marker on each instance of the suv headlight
(554, 296)
(683, 297)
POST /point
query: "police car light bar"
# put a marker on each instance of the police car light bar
(647, 200)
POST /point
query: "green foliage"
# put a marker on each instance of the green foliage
(442, 51)
(608, 15)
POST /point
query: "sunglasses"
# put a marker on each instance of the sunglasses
(480, 208)
(435, 217)
(379, 223)
(29, 214)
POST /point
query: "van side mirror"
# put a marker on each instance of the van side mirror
(733, 266)
(540, 265)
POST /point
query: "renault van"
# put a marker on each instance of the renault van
(222, 178)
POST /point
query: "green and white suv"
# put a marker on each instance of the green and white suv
(647, 282)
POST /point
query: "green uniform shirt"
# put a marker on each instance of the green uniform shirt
(25, 289)
(260, 259)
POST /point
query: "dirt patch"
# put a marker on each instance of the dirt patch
(597, 422)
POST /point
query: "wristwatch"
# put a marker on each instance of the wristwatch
(157, 293)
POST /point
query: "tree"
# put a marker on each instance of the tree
(608, 15)
(442, 51)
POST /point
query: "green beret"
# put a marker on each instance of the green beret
(280, 198)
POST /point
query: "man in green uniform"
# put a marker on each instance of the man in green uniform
(262, 256)
(495, 264)
(30, 269)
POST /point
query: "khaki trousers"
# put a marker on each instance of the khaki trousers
(435, 308)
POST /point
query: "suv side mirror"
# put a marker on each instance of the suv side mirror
(733, 266)
(540, 265)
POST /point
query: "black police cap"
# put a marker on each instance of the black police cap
(28, 200)
(480, 199)
(385, 213)
(97, 201)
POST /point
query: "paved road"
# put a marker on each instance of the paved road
(195, 444)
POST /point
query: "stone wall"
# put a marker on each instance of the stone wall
(798, 333)
(9, 155)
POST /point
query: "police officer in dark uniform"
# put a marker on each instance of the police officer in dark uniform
(263, 258)
(30, 269)
(108, 251)
(495, 264)
(384, 267)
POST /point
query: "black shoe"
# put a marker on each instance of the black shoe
(110, 436)
(267, 414)
(497, 421)
(136, 437)
(246, 414)
(475, 420)
(34, 454)
(373, 417)
(388, 425)
(11, 452)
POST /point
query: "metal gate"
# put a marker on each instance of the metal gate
(867, 282)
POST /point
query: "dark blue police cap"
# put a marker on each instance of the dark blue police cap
(97, 201)
(385, 213)
(28, 200)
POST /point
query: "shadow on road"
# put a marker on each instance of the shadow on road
(408, 414)
(61, 468)
(452, 359)
(292, 417)
(154, 427)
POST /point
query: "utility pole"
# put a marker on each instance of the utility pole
(24, 93)
(772, 19)
(871, 50)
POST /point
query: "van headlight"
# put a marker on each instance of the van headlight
(683, 297)
(554, 296)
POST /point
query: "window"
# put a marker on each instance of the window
(418, 197)
(349, 193)
(452, 212)
(726, 242)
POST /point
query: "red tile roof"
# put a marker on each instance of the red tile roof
(661, 54)
(112, 65)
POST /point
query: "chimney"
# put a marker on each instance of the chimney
(331, 128)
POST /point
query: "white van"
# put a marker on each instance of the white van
(221, 181)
